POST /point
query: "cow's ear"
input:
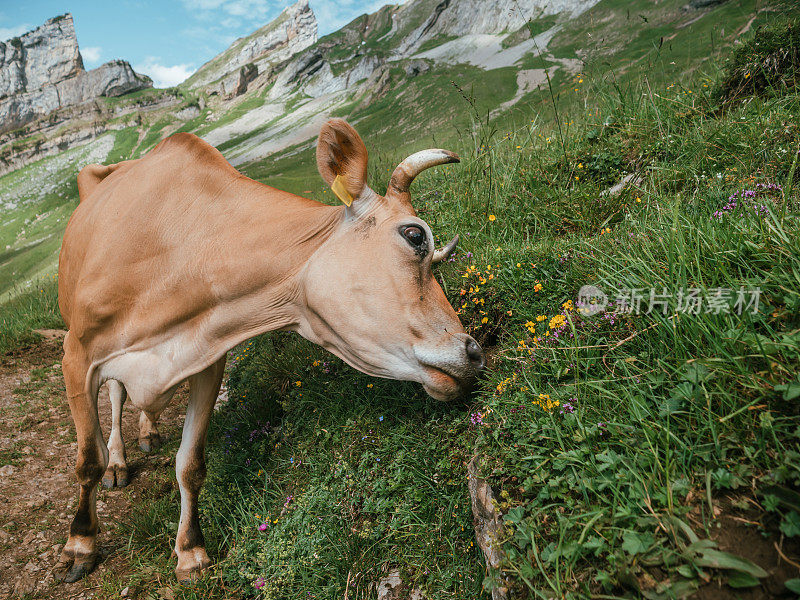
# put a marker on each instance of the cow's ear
(340, 151)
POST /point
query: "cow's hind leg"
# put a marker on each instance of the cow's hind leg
(190, 467)
(80, 552)
(117, 471)
(149, 438)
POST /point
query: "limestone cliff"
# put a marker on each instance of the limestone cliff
(292, 31)
(42, 71)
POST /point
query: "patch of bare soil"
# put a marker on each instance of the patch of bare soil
(747, 532)
(38, 490)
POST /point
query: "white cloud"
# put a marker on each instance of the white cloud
(253, 9)
(6, 33)
(333, 14)
(230, 23)
(163, 76)
(92, 54)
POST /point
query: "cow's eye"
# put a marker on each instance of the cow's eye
(414, 235)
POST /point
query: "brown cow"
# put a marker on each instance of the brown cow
(171, 260)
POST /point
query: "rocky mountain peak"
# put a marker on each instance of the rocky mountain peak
(289, 33)
(42, 71)
(41, 57)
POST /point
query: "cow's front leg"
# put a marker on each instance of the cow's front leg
(117, 471)
(80, 552)
(190, 467)
(149, 438)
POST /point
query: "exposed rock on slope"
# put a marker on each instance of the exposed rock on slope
(292, 31)
(488, 526)
(395, 34)
(42, 71)
(359, 63)
(448, 18)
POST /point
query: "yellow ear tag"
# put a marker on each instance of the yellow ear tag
(341, 192)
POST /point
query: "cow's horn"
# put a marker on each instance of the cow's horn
(444, 253)
(415, 164)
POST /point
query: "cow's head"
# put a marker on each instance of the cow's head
(370, 294)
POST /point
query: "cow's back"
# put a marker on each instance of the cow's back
(133, 218)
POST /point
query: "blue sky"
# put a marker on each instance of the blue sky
(167, 39)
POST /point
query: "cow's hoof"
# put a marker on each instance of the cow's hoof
(192, 565)
(151, 443)
(70, 568)
(191, 575)
(116, 476)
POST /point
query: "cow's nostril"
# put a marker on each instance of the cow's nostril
(475, 354)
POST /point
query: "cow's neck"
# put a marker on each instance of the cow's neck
(268, 244)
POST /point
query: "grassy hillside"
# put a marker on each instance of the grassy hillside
(34, 216)
(632, 453)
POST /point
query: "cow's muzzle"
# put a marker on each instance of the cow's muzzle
(453, 374)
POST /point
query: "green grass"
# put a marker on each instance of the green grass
(434, 42)
(34, 220)
(246, 105)
(529, 30)
(35, 308)
(153, 136)
(136, 97)
(124, 143)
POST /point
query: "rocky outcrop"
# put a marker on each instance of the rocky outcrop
(73, 126)
(42, 71)
(236, 83)
(391, 587)
(696, 4)
(111, 79)
(41, 57)
(52, 145)
(294, 30)
(450, 18)
(394, 34)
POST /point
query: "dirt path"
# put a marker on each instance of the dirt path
(37, 481)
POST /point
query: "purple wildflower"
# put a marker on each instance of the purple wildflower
(746, 201)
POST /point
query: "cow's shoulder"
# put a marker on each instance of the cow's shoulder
(188, 146)
(91, 176)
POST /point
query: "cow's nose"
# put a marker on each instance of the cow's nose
(475, 354)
